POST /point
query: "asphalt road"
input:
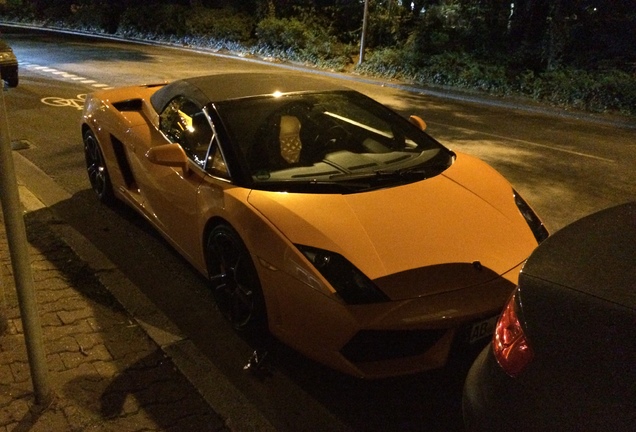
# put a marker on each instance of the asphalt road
(565, 166)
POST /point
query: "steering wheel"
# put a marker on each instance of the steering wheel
(332, 139)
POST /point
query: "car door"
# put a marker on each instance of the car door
(171, 192)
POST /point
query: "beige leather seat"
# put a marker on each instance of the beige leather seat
(289, 137)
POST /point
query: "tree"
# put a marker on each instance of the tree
(551, 33)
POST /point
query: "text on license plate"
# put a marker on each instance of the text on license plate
(482, 329)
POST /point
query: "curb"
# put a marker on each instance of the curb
(38, 191)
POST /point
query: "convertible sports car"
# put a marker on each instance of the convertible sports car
(317, 213)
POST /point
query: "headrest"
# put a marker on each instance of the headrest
(289, 125)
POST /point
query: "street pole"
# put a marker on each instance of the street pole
(21, 262)
(363, 38)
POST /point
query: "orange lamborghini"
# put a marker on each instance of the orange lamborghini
(317, 213)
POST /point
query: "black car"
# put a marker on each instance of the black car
(563, 357)
(8, 65)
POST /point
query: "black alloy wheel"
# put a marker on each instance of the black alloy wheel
(96, 168)
(234, 280)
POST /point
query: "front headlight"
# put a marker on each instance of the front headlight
(538, 229)
(349, 282)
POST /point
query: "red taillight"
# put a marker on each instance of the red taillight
(510, 345)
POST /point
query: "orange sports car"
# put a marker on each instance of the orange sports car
(317, 213)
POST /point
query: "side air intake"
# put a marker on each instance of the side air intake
(129, 105)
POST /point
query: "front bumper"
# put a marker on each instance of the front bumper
(385, 339)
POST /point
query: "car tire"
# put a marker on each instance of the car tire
(12, 80)
(234, 281)
(96, 169)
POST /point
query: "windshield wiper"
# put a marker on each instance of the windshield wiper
(430, 170)
(313, 186)
(379, 175)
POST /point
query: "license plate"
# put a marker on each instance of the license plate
(482, 329)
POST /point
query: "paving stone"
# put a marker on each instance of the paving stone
(54, 363)
(19, 410)
(106, 374)
(50, 421)
(106, 369)
(67, 304)
(60, 331)
(88, 341)
(63, 345)
(63, 293)
(98, 352)
(13, 350)
(49, 319)
(20, 371)
(13, 392)
(73, 316)
(6, 376)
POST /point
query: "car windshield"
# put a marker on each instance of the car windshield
(333, 141)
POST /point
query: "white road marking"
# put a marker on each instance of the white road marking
(576, 153)
(530, 143)
(70, 76)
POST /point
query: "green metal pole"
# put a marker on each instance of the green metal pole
(21, 262)
(363, 38)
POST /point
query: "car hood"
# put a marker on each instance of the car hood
(448, 232)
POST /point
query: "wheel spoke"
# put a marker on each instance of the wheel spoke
(219, 280)
(96, 168)
(92, 172)
(241, 306)
(232, 278)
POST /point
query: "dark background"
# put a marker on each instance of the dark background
(575, 53)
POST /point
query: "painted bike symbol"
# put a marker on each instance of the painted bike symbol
(55, 101)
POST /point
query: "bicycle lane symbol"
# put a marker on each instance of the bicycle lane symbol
(77, 103)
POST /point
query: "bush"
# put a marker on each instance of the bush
(446, 69)
(281, 33)
(155, 20)
(465, 71)
(387, 62)
(13, 11)
(220, 24)
(595, 91)
(93, 18)
(306, 41)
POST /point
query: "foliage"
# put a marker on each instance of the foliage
(281, 33)
(225, 24)
(158, 20)
(594, 91)
(305, 39)
(598, 91)
(576, 53)
(464, 71)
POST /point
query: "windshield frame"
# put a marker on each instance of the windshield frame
(416, 154)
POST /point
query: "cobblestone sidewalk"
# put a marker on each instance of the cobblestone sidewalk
(106, 373)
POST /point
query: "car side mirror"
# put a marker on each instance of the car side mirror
(417, 121)
(171, 155)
